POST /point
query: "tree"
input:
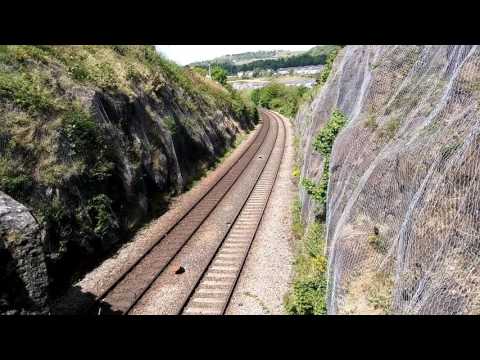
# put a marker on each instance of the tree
(219, 74)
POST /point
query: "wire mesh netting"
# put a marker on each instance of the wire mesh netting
(403, 204)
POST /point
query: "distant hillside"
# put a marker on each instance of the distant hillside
(247, 57)
(233, 64)
(321, 50)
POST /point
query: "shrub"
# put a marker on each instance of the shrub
(323, 143)
(100, 210)
(219, 74)
(13, 179)
(27, 91)
(133, 74)
(80, 130)
(171, 125)
(279, 97)
(78, 71)
(308, 296)
(317, 191)
(105, 76)
(328, 66)
(324, 140)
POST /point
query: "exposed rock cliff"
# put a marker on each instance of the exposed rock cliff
(23, 272)
(402, 212)
(95, 139)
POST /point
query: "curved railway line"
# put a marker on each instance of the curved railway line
(208, 287)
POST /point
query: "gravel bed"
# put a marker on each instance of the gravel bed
(268, 270)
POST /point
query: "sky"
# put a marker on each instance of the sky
(185, 54)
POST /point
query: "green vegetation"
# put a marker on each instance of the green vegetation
(296, 171)
(323, 144)
(377, 241)
(324, 140)
(322, 78)
(327, 69)
(371, 123)
(319, 191)
(100, 211)
(315, 56)
(219, 74)
(390, 128)
(380, 292)
(246, 57)
(13, 177)
(27, 91)
(69, 153)
(297, 224)
(308, 296)
(279, 97)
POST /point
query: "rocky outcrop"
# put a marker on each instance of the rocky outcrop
(23, 271)
(95, 140)
(403, 207)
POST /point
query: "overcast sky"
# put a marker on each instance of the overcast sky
(185, 54)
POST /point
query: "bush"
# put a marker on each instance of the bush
(105, 77)
(279, 97)
(308, 296)
(27, 91)
(324, 140)
(323, 144)
(219, 74)
(100, 210)
(80, 130)
(79, 72)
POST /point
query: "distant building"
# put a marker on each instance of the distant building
(301, 70)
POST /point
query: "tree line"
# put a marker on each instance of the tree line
(274, 64)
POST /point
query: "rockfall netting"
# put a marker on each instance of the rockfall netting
(403, 207)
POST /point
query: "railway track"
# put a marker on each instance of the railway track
(214, 290)
(213, 282)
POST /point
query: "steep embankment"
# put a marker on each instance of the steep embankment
(94, 140)
(402, 211)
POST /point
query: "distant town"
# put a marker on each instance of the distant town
(292, 76)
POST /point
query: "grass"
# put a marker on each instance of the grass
(389, 130)
(13, 177)
(380, 293)
(371, 123)
(308, 296)
(297, 223)
(28, 91)
(51, 142)
(377, 242)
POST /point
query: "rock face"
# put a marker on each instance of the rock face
(23, 271)
(95, 140)
(403, 208)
